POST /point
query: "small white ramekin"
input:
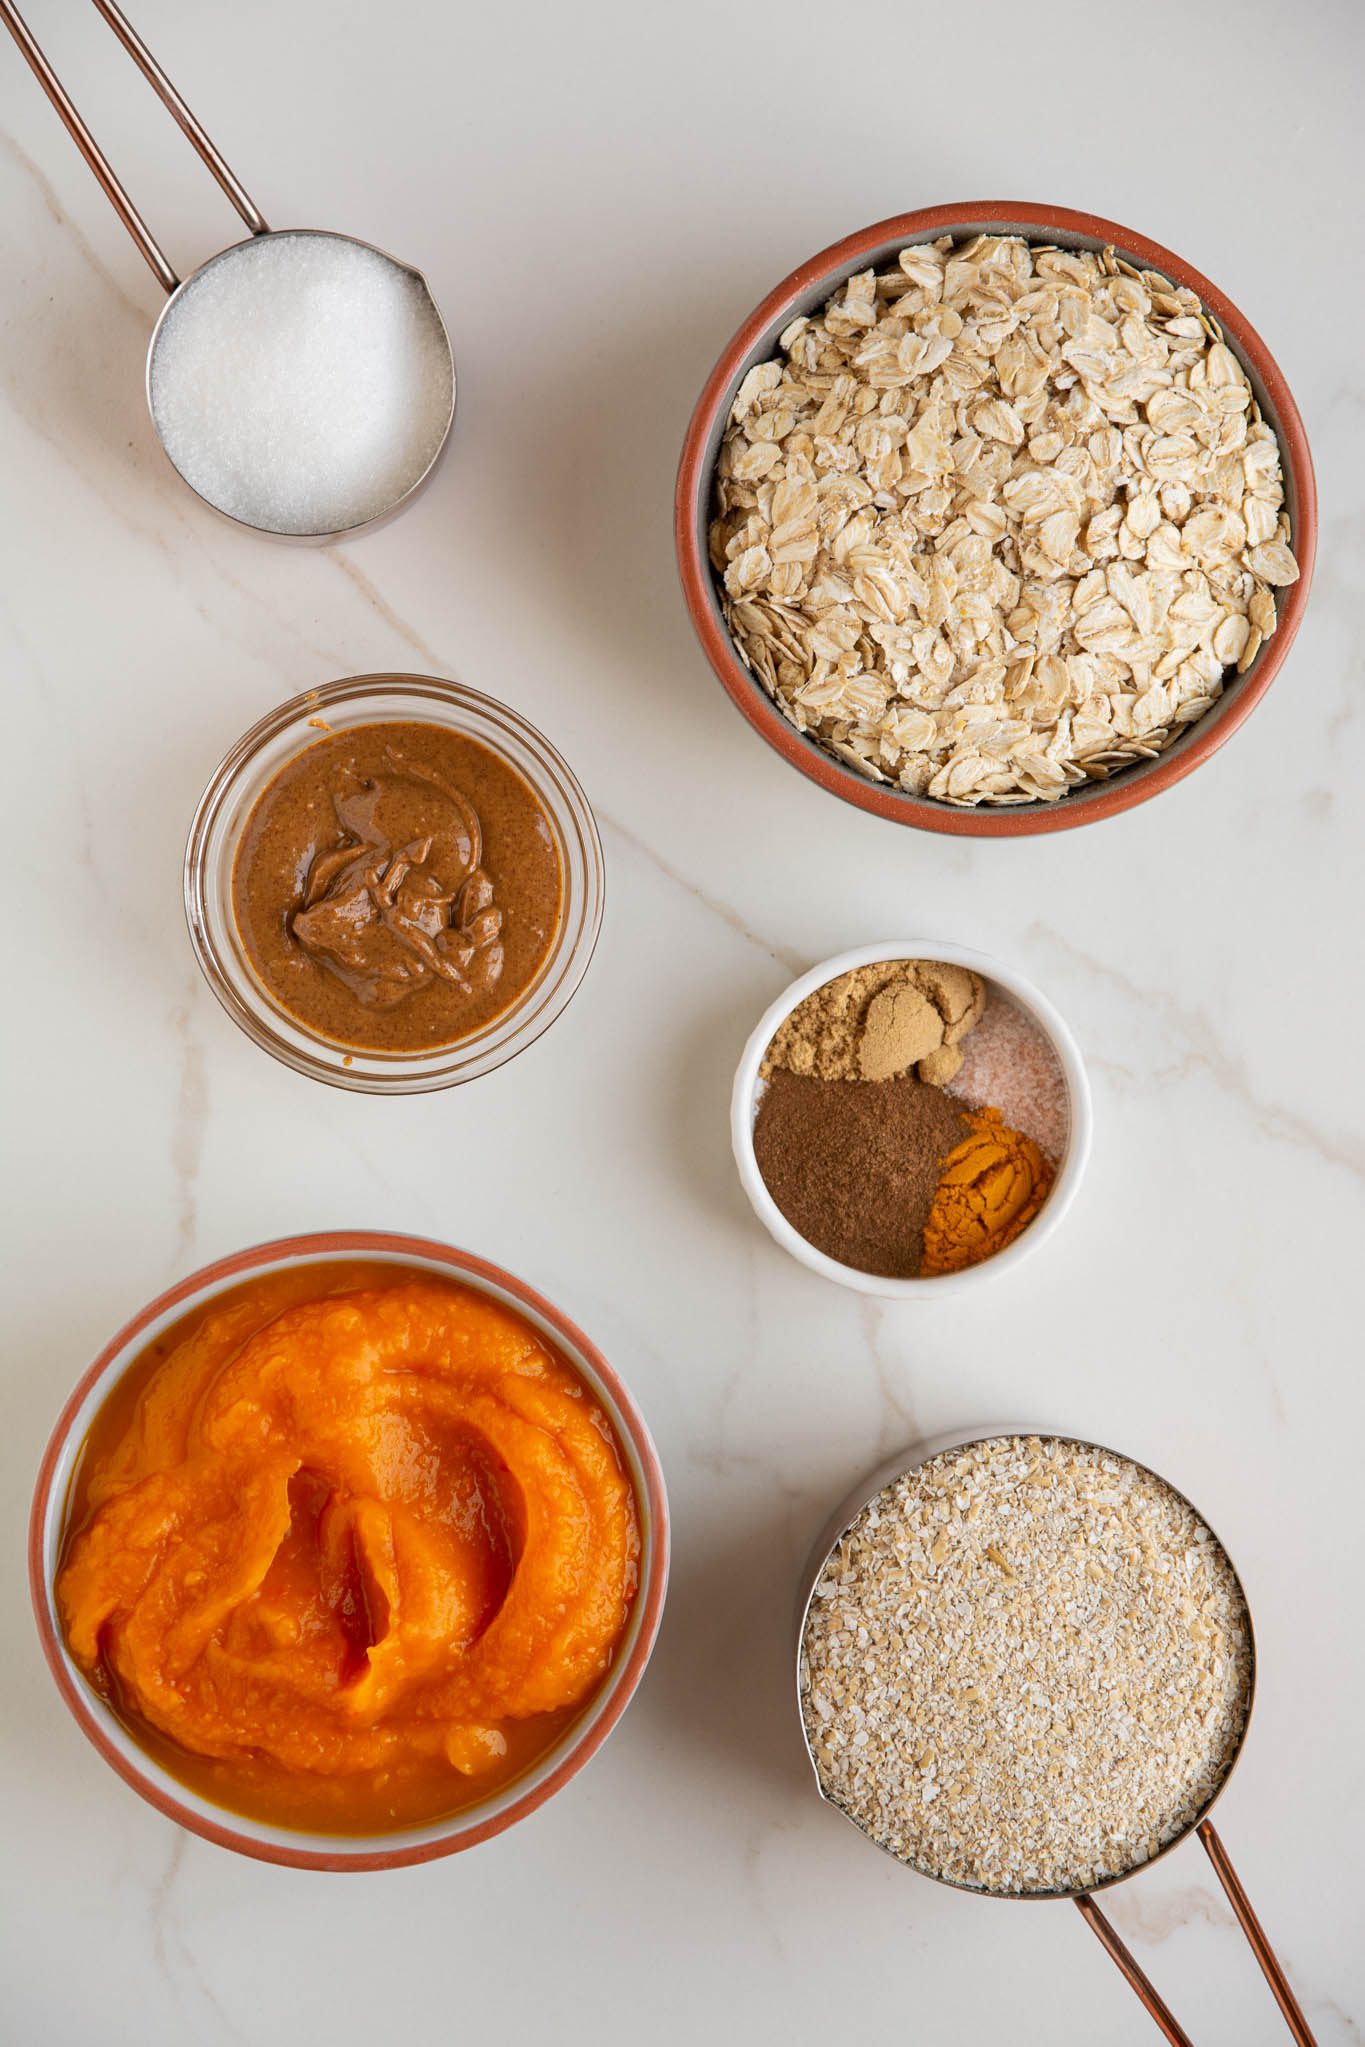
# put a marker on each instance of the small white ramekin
(744, 1107)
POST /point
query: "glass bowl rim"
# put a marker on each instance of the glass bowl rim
(442, 1066)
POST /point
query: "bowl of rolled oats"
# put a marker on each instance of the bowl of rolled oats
(996, 518)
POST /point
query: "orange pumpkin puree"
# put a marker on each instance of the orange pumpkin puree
(349, 1548)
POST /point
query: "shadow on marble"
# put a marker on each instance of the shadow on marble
(589, 502)
(723, 1673)
(696, 1075)
(76, 346)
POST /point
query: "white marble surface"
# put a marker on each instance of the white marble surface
(599, 193)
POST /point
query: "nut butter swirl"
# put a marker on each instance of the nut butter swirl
(384, 910)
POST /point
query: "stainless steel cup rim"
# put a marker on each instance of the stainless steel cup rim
(900, 1466)
(321, 535)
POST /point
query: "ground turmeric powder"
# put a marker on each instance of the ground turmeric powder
(992, 1185)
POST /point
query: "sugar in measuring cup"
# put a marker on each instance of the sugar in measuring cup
(301, 382)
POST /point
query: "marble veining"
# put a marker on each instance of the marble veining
(598, 201)
(1199, 1049)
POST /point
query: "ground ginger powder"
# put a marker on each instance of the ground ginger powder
(880, 1021)
(992, 1185)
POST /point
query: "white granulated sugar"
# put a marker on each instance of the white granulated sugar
(302, 383)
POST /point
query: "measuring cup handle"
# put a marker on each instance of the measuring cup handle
(152, 253)
(1120, 1956)
(170, 98)
(1252, 1928)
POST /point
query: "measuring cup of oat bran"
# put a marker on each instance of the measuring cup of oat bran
(1025, 1668)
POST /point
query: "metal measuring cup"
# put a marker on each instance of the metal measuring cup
(157, 263)
(901, 1467)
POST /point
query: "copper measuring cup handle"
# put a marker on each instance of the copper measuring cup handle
(1127, 1966)
(1255, 1933)
(1246, 1919)
(152, 252)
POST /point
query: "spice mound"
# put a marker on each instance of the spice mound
(396, 887)
(854, 1165)
(881, 1020)
(1026, 1667)
(999, 520)
(871, 1134)
(992, 1185)
(353, 1551)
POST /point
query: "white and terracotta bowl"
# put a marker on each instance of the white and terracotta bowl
(748, 1091)
(511, 1802)
(807, 289)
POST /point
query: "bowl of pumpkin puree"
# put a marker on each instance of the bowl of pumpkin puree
(349, 1551)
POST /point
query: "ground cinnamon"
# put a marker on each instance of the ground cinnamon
(854, 1165)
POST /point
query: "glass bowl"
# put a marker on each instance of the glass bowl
(253, 763)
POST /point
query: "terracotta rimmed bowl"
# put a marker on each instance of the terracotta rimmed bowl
(294, 1847)
(807, 289)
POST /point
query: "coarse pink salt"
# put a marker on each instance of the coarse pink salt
(1010, 1065)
